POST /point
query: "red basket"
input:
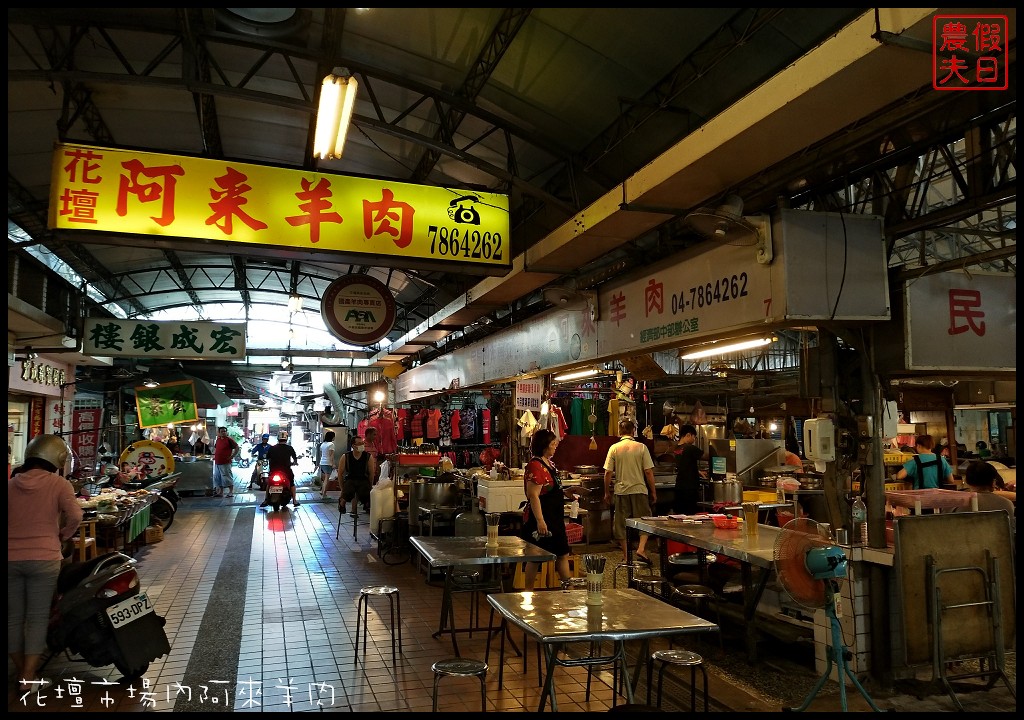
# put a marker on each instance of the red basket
(574, 533)
(725, 522)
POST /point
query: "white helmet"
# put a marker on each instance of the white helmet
(50, 448)
(282, 436)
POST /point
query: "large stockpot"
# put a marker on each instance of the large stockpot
(728, 491)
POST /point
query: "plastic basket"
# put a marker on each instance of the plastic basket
(725, 522)
(574, 533)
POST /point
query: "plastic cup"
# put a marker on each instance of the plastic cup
(492, 529)
(750, 510)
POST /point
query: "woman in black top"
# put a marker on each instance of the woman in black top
(545, 507)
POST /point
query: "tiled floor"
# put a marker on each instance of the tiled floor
(290, 616)
(260, 610)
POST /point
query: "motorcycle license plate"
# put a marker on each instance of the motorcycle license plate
(130, 610)
(276, 490)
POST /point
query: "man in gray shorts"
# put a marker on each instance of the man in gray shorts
(630, 467)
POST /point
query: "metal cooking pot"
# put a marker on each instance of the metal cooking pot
(810, 481)
(718, 490)
(589, 470)
(733, 491)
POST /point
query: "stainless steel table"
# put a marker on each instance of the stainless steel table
(449, 552)
(754, 555)
(556, 618)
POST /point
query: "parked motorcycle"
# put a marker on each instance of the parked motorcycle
(167, 504)
(259, 474)
(279, 492)
(100, 613)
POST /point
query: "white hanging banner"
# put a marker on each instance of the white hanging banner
(528, 394)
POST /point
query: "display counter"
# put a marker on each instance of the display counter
(196, 476)
(126, 525)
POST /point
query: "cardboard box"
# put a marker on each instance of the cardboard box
(154, 534)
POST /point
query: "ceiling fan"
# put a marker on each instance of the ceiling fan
(567, 297)
(726, 224)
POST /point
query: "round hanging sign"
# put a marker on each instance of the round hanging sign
(359, 309)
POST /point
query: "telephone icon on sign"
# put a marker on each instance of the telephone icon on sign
(464, 214)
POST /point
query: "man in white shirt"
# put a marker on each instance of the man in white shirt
(630, 466)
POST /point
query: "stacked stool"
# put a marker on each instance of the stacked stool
(463, 668)
(362, 615)
(678, 658)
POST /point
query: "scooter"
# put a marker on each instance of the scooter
(279, 491)
(259, 474)
(167, 504)
(100, 614)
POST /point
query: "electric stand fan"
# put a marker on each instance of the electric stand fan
(807, 563)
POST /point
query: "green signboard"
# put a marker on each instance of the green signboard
(173, 402)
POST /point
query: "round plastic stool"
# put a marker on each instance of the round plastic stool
(678, 658)
(464, 668)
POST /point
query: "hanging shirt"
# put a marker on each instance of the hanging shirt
(613, 417)
(361, 427)
(485, 426)
(446, 427)
(545, 415)
(558, 425)
(577, 416)
(455, 420)
(387, 438)
(433, 424)
(467, 424)
(401, 424)
(527, 426)
(418, 427)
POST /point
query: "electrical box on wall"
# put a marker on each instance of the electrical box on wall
(819, 440)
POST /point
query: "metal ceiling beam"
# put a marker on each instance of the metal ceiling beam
(33, 219)
(241, 281)
(302, 100)
(196, 66)
(450, 117)
(730, 37)
(183, 279)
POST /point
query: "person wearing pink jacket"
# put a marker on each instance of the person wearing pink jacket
(42, 513)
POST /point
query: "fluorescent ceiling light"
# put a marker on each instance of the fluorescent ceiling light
(337, 99)
(728, 348)
(576, 374)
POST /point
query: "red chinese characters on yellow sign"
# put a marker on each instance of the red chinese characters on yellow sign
(147, 193)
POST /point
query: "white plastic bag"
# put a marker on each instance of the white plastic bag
(385, 471)
(382, 503)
